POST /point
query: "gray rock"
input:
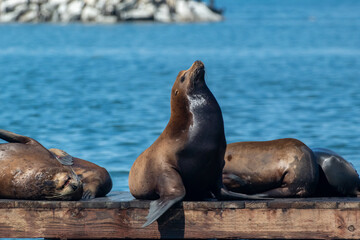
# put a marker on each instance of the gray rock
(55, 17)
(125, 6)
(89, 14)
(106, 19)
(100, 4)
(105, 11)
(8, 17)
(203, 13)
(91, 3)
(61, 13)
(29, 16)
(46, 12)
(74, 9)
(183, 12)
(10, 6)
(163, 14)
(141, 13)
(20, 10)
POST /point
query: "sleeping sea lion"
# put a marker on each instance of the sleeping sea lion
(30, 171)
(96, 180)
(278, 168)
(187, 159)
(337, 176)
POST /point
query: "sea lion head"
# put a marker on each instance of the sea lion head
(59, 183)
(188, 81)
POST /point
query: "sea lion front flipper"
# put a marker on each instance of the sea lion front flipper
(171, 190)
(14, 138)
(88, 195)
(158, 208)
(62, 156)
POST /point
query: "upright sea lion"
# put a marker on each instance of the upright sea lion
(188, 157)
(96, 180)
(30, 171)
(337, 176)
(278, 168)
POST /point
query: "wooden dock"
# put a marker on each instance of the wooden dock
(120, 216)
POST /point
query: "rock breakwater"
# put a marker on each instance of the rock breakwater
(105, 11)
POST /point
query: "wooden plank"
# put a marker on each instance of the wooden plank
(119, 216)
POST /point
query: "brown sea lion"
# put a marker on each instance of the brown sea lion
(278, 168)
(186, 160)
(337, 176)
(96, 180)
(30, 171)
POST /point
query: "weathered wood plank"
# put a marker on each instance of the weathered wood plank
(119, 216)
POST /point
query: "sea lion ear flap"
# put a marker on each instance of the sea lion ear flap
(63, 157)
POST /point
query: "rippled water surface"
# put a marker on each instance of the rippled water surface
(102, 92)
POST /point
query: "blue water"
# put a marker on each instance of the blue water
(102, 92)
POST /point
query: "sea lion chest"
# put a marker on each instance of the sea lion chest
(200, 161)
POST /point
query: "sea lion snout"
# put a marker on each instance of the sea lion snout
(197, 72)
(198, 65)
(68, 185)
(197, 69)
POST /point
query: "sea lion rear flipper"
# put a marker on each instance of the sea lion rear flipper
(158, 208)
(62, 156)
(14, 138)
(280, 192)
(221, 193)
(228, 195)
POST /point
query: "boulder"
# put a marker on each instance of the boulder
(10, 5)
(163, 14)
(8, 17)
(29, 16)
(74, 9)
(183, 12)
(90, 2)
(106, 19)
(203, 13)
(89, 14)
(141, 13)
(105, 11)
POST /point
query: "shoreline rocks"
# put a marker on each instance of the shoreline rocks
(106, 11)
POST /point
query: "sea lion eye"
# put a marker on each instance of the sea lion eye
(182, 79)
(176, 92)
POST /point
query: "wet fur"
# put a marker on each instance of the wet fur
(186, 160)
(278, 168)
(338, 177)
(28, 171)
(96, 180)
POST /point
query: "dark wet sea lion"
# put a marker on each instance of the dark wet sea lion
(278, 168)
(337, 176)
(30, 171)
(186, 160)
(96, 180)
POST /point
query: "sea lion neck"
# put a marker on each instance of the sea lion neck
(180, 118)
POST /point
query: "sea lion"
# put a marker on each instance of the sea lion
(96, 180)
(186, 160)
(30, 171)
(337, 176)
(278, 168)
